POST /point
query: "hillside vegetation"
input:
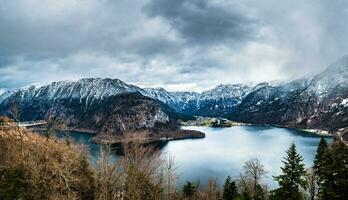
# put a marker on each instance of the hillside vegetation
(34, 166)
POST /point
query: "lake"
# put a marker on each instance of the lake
(224, 151)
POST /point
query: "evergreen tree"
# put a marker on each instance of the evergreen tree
(318, 166)
(259, 193)
(230, 190)
(319, 157)
(293, 177)
(339, 155)
(188, 190)
(246, 194)
(323, 169)
(331, 169)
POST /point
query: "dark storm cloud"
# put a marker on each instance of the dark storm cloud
(204, 21)
(51, 29)
(176, 44)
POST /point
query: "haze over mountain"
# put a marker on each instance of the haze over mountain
(320, 102)
(176, 58)
(178, 45)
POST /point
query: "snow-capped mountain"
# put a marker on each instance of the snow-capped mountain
(182, 102)
(165, 97)
(320, 102)
(88, 90)
(335, 75)
(2, 91)
(218, 101)
(214, 102)
(92, 104)
(316, 103)
(236, 91)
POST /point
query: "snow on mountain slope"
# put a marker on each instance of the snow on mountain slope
(238, 91)
(226, 92)
(88, 90)
(334, 75)
(216, 101)
(276, 102)
(302, 103)
(162, 95)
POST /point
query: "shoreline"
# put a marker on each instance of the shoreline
(147, 138)
(182, 134)
(318, 132)
(80, 130)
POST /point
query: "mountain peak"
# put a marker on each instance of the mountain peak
(334, 75)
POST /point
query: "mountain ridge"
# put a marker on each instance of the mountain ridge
(306, 103)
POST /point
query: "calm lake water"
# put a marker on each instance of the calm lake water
(224, 151)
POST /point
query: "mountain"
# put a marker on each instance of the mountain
(218, 101)
(266, 103)
(335, 75)
(221, 100)
(318, 103)
(104, 106)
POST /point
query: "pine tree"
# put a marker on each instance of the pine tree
(188, 190)
(246, 194)
(339, 154)
(331, 169)
(293, 177)
(323, 170)
(318, 166)
(230, 190)
(259, 193)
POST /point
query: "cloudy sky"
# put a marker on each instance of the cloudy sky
(175, 44)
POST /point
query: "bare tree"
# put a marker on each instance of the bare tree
(15, 112)
(52, 169)
(253, 172)
(311, 190)
(212, 190)
(170, 177)
(53, 126)
(141, 173)
(109, 176)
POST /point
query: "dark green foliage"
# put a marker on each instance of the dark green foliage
(322, 168)
(14, 184)
(279, 194)
(293, 177)
(189, 189)
(319, 163)
(259, 193)
(230, 190)
(246, 194)
(331, 168)
(319, 158)
(339, 153)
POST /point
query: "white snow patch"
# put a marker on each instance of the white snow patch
(344, 102)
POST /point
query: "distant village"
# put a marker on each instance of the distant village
(211, 122)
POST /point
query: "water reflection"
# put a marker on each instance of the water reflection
(224, 150)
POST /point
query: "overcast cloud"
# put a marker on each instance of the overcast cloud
(175, 44)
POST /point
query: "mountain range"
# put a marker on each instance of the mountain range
(111, 105)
